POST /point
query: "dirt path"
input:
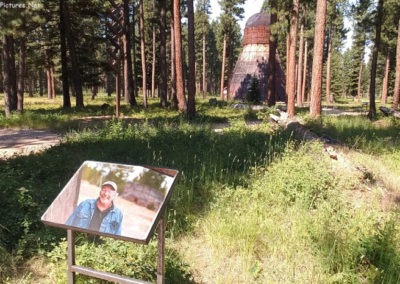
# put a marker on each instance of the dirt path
(14, 142)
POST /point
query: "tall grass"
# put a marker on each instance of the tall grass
(295, 224)
(250, 206)
(206, 160)
(358, 132)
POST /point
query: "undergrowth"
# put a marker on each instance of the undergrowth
(295, 224)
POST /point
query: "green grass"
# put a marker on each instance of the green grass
(250, 205)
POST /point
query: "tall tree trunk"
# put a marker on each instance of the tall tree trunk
(396, 93)
(52, 81)
(173, 98)
(153, 61)
(287, 64)
(316, 80)
(385, 81)
(223, 71)
(328, 67)
(271, 97)
(133, 47)
(9, 75)
(180, 88)
(117, 88)
(143, 53)
(21, 75)
(30, 86)
(163, 89)
(126, 42)
(64, 63)
(378, 21)
(191, 105)
(1, 72)
(48, 80)
(300, 67)
(40, 74)
(291, 72)
(204, 67)
(304, 84)
(76, 75)
(359, 82)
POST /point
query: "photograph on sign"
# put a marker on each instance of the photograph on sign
(122, 201)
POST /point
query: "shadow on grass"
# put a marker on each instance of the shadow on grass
(206, 160)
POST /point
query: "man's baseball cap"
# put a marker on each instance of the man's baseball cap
(110, 183)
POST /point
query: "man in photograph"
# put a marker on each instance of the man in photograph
(99, 214)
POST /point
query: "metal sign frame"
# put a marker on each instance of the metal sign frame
(142, 185)
(73, 268)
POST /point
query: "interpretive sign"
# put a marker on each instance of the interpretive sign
(115, 200)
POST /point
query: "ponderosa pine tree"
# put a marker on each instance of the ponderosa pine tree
(143, 53)
(127, 56)
(163, 54)
(291, 71)
(64, 59)
(377, 41)
(396, 92)
(201, 29)
(390, 47)
(191, 82)
(316, 79)
(180, 88)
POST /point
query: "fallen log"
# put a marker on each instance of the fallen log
(301, 132)
(388, 111)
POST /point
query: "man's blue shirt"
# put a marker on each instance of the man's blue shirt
(83, 214)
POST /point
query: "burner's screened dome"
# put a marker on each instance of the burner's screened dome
(259, 19)
(257, 29)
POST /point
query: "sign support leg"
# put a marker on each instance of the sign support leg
(161, 250)
(71, 256)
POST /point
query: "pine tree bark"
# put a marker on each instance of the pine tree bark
(117, 88)
(52, 81)
(191, 105)
(173, 96)
(300, 67)
(163, 55)
(143, 53)
(126, 41)
(40, 75)
(359, 82)
(21, 75)
(316, 80)
(396, 93)
(305, 98)
(76, 75)
(291, 72)
(204, 67)
(64, 63)
(9, 75)
(385, 81)
(30, 86)
(328, 67)
(223, 71)
(180, 87)
(153, 61)
(378, 26)
(271, 97)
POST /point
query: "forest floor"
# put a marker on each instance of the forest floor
(15, 142)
